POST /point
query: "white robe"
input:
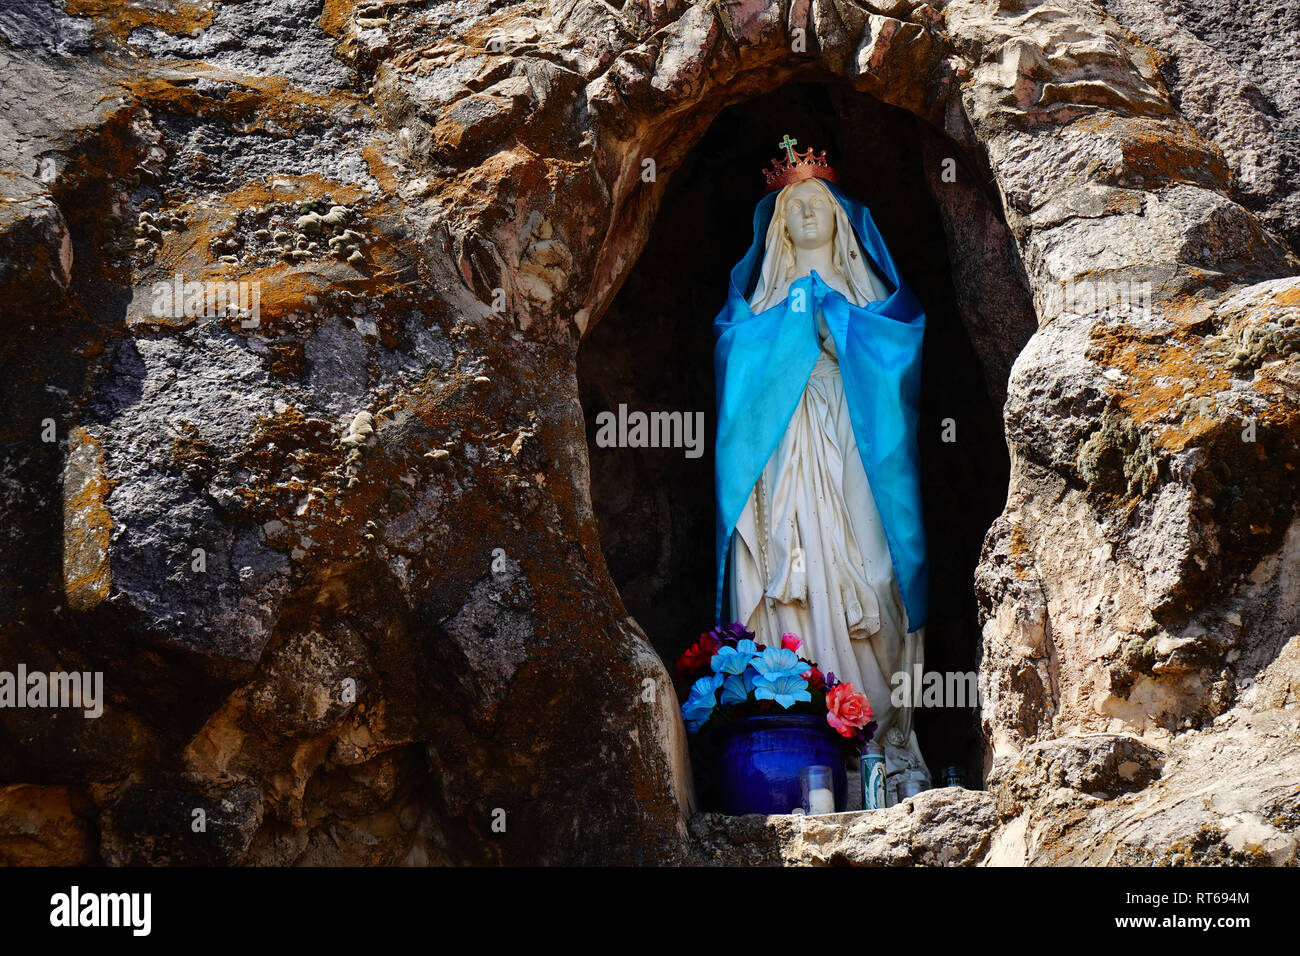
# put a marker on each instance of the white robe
(830, 579)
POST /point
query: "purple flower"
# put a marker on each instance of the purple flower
(732, 634)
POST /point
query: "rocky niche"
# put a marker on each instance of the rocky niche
(357, 584)
(652, 351)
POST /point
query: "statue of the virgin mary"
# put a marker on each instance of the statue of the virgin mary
(818, 363)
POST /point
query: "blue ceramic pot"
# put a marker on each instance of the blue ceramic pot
(759, 759)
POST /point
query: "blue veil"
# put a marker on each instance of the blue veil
(762, 362)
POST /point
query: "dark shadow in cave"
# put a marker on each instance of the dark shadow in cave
(652, 351)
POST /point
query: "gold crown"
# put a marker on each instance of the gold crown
(797, 166)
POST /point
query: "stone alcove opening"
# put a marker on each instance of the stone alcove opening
(652, 351)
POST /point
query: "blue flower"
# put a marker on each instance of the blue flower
(699, 705)
(784, 690)
(778, 662)
(736, 688)
(734, 660)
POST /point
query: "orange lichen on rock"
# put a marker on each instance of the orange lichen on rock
(335, 16)
(289, 292)
(87, 523)
(294, 189)
(1018, 545)
(269, 104)
(1154, 151)
(1286, 298)
(503, 26)
(1164, 376)
(120, 17)
(382, 167)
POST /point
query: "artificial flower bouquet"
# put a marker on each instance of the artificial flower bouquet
(730, 676)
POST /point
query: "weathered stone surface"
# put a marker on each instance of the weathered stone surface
(174, 822)
(1103, 764)
(43, 826)
(1232, 68)
(1226, 795)
(339, 560)
(943, 827)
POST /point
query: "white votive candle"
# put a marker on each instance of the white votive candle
(821, 800)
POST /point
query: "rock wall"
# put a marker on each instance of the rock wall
(336, 554)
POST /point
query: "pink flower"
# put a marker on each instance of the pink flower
(791, 642)
(847, 710)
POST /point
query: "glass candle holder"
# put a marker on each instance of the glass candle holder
(873, 778)
(911, 784)
(818, 789)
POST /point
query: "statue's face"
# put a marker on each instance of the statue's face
(809, 219)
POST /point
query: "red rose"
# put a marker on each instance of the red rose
(816, 680)
(697, 659)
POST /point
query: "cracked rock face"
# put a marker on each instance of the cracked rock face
(333, 547)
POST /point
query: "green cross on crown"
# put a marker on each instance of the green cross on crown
(788, 145)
